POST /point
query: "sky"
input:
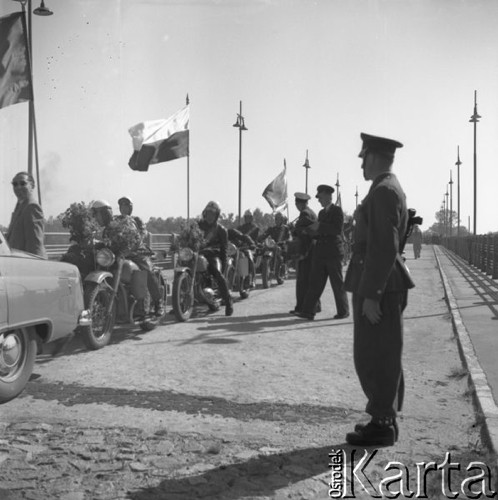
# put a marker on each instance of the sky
(311, 75)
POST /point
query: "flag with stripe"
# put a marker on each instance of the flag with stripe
(15, 77)
(276, 192)
(158, 141)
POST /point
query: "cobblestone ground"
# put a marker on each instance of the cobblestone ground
(247, 407)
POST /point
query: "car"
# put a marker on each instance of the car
(41, 302)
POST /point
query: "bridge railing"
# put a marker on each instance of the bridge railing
(56, 245)
(480, 251)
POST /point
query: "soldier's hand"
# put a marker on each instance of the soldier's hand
(371, 309)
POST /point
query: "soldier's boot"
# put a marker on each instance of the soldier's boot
(359, 427)
(378, 432)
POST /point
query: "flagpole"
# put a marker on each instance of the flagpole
(188, 169)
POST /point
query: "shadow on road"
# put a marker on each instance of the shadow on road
(74, 394)
(260, 476)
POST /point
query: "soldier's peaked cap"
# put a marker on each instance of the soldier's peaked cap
(302, 196)
(381, 145)
(324, 188)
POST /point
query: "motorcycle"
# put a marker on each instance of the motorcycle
(240, 270)
(115, 291)
(270, 261)
(193, 283)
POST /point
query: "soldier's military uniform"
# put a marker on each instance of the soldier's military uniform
(327, 260)
(377, 271)
(305, 243)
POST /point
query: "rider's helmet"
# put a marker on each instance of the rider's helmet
(103, 210)
(279, 218)
(126, 200)
(212, 206)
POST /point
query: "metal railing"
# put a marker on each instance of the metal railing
(480, 251)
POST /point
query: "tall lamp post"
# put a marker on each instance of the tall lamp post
(474, 119)
(338, 186)
(451, 204)
(32, 136)
(458, 163)
(241, 126)
(307, 166)
(447, 211)
(356, 196)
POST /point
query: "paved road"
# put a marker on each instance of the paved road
(237, 408)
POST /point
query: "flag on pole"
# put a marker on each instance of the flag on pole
(276, 192)
(157, 141)
(15, 77)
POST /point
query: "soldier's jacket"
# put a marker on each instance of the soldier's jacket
(329, 240)
(376, 265)
(305, 219)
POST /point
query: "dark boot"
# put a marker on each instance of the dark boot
(378, 432)
(229, 307)
(359, 427)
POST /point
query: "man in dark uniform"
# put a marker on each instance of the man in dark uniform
(327, 257)
(305, 244)
(379, 281)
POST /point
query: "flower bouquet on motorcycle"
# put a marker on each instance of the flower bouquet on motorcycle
(120, 282)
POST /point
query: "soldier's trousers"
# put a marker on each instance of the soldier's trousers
(321, 269)
(377, 354)
(303, 269)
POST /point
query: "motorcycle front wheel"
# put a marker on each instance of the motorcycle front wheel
(182, 299)
(97, 298)
(265, 273)
(17, 358)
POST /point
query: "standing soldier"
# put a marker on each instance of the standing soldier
(327, 257)
(379, 281)
(305, 244)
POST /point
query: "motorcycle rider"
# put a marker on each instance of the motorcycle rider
(280, 233)
(216, 238)
(249, 227)
(102, 211)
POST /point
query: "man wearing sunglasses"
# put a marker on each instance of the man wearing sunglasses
(26, 226)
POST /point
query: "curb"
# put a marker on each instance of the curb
(477, 378)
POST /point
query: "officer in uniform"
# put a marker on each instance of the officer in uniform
(305, 247)
(327, 257)
(379, 280)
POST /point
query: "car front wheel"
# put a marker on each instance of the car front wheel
(17, 358)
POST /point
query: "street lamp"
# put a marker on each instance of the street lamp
(241, 126)
(307, 167)
(447, 210)
(337, 185)
(39, 11)
(451, 203)
(458, 163)
(356, 196)
(444, 215)
(474, 119)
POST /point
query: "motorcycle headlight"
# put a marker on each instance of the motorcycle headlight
(270, 242)
(105, 257)
(232, 249)
(185, 254)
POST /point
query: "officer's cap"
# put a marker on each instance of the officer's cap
(324, 188)
(125, 200)
(380, 145)
(301, 196)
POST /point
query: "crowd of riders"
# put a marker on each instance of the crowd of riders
(216, 240)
